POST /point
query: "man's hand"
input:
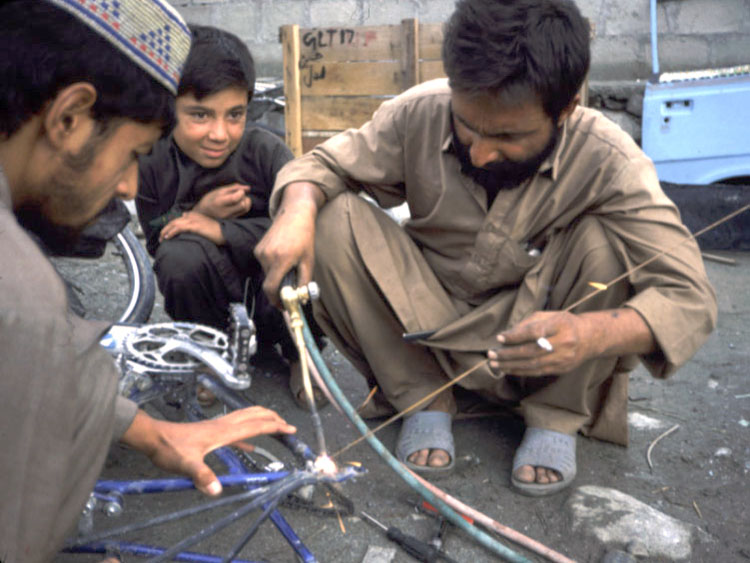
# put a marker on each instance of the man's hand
(290, 242)
(226, 202)
(574, 339)
(181, 447)
(194, 222)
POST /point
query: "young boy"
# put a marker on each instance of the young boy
(203, 198)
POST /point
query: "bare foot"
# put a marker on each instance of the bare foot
(540, 475)
(436, 458)
(431, 458)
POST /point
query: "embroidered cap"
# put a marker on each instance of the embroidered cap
(150, 32)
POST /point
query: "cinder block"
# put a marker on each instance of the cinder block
(622, 18)
(334, 13)
(708, 16)
(240, 18)
(387, 13)
(282, 12)
(436, 11)
(729, 49)
(683, 52)
(618, 58)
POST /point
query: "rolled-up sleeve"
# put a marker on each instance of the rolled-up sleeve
(671, 288)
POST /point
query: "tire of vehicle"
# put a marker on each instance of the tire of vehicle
(141, 276)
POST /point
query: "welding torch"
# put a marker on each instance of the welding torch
(292, 298)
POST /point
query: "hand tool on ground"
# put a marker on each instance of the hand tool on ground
(426, 508)
(418, 549)
(437, 540)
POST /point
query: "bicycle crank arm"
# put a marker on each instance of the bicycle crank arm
(223, 369)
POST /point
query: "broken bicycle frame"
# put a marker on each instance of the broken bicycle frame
(166, 362)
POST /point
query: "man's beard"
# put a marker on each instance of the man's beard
(507, 174)
(55, 239)
(45, 219)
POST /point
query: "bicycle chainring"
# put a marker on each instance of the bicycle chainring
(151, 346)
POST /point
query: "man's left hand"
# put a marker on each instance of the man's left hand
(519, 353)
(574, 339)
(194, 222)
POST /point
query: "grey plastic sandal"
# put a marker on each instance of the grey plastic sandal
(426, 430)
(545, 448)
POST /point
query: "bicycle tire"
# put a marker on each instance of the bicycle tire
(140, 275)
(117, 285)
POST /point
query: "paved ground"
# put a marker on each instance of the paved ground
(699, 476)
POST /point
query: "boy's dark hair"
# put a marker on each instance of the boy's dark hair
(518, 46)
(44, 49)
(217, 60)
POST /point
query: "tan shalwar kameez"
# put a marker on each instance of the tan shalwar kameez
(594, 210)
(59, 411)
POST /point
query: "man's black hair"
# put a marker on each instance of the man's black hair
(508, 47)
(43, 49)
(217, 60)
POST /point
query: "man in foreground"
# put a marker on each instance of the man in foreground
(519, 201)
(79, 101)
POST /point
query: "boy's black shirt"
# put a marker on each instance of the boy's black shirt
(169, 182)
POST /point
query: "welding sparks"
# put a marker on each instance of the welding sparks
(324, 464)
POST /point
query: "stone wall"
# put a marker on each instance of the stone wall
(693, 34)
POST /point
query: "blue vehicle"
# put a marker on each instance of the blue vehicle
(696, 125)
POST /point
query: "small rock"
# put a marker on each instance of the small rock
(618, 556)
(376, 554)
(614, 518)
(744, 423)
(723, 452)
(637, 549)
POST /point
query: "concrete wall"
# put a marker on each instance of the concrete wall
(693, 33)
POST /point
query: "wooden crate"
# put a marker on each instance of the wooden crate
(336, 77)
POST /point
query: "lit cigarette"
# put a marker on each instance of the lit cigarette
(544, 344)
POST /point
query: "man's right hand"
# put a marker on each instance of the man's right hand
(180, 447)
(290, 242)
(226, 202)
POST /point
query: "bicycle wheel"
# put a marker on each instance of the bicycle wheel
(119, 286)
(140, 276)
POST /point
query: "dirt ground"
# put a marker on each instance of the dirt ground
(700, 472)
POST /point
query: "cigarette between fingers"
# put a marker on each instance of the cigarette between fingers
(544, 344)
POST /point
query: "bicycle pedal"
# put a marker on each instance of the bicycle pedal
(242, 341)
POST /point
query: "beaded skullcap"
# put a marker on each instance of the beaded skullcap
(150, 32)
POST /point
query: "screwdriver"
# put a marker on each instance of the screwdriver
(418, 549)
